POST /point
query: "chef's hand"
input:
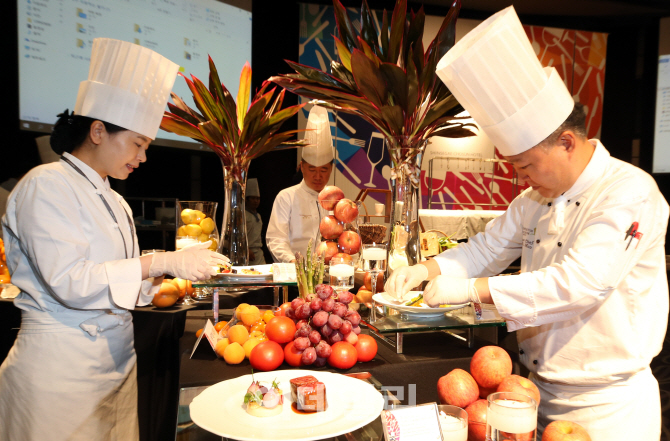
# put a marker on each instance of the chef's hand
(445, 290)
(402, 280)
(195, 262)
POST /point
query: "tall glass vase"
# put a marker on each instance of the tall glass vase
(404, 242)
(233, 241)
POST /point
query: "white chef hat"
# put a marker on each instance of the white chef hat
(252, 188)
(320, 152)
(495, 75)
(128, 85)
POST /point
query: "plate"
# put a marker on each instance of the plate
(265, 273)
(424, 310)
(352, 404)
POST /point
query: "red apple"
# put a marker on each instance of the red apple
(346, 258)
(346, 210)
(457, 388)
(520, 385)
(484, 392)
(349, 242)
(330, 228)
(330, 249)
(330, 196)
(490, 365)
(367, 281)
(565, 431)
(477, 420)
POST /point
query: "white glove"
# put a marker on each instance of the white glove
(445, 290)
(402, 280)
(194, 262)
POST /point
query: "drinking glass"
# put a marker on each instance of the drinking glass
(375, 256)
(182, 242)
(511, 416)
(453, 423)
(341, 272)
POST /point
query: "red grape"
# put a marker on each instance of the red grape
(345, 297)
(303, 312)
(335, 321)
(315, 336)
(326, 330)
(323, 291)
(346, 327)
(315, 304)
(320, 361)
(320, 318)
(297, 303)
(309, 356)
(335, 337)
(351, 338)
(356, 329)
(290, 313)
(310, 297)
(353, 317)
(301, 343)
(328, 304)
(300, 324)
(304, 331)
(323, 349)
(339, 309)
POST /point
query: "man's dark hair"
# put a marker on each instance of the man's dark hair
(575, 122)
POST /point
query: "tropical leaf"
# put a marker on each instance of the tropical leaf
(344, 26)
(368, 78)
(243, 94)
(174, 124)
(368, 32)
(343, 53)
(397, 30)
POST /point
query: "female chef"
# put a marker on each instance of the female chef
(73, 252)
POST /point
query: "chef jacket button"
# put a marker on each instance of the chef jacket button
(549, 204)
(537, 241)
(534, 361)
(521, 351)
(560, 244)
(577, 203)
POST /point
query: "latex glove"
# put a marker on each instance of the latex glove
(195, 262)
(445, 290)
(402, 280)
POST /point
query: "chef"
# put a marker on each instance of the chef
(254, 223)
(296, 212)
(72, 251)
(590, 306)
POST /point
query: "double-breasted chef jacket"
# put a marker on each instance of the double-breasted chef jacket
(590, 306)
(71, 372)
(295, 219)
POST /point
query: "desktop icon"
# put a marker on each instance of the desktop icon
(81, 13)
(138, 29)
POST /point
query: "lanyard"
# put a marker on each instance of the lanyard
(104, 201)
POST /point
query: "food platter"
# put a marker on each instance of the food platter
(352, 404)
(421, 311)
(264, 276)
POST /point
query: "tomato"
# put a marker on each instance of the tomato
(366, 348)
(282, 309)
(343, 355)
(292, 356)
(280, 329)
(266, 356)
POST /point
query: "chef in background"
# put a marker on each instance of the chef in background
(590, 307)
(72, 251)
(254, 223)
(296, 212)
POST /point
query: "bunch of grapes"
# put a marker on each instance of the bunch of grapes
(323, 319)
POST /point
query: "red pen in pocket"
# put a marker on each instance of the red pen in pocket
(632, 231)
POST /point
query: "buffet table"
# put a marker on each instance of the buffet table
(458, 224)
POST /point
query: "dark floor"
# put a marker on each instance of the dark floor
(661, 368)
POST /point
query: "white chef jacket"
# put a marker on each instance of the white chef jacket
(73, 364)
(588, 311)
(295, 219)
(254, 238)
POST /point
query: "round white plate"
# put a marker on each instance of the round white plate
(265, 272)
(424, 310)
(352, 404)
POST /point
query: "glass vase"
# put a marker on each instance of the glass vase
(404, 241)
(233, 241)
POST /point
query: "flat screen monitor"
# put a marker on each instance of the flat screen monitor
(661, 161)
(55, 38)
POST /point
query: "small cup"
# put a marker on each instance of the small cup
(379, 209)
(453, 422)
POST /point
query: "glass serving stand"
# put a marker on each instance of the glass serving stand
(389, 324)
(220, 284)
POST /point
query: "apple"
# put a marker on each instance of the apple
(367, 281)
(346, 210)
(484, 392)
(346, 258)
(490, 365)
(330, 228)
(330, 196)
(520, 385)
(364, 295)
(457, 388)
(349, 242)
(328, 247)
(477, 420)
(565, 431)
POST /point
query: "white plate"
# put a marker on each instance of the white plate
(352, 404)
(265, 272)
(387, 300)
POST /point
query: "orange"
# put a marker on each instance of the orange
(258, 335)
(221, 346)
(268, 315)
(249, 315)
(198, 333)
(181, 284)
(189, 289)
(220, 325)
(238, 334)
(240, 307)
(258, 326)
(193, 230)
(234, 353)
(249, 345)
(167, 295)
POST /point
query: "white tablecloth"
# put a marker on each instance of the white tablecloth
(458, 224)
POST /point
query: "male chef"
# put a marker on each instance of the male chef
(590, 306)
(296, 212)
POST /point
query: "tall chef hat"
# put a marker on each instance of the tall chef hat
(496, 76)
(128, 85)
(252, 188)
(320, 152)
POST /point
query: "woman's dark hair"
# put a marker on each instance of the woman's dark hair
(71, 131)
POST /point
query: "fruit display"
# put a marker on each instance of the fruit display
(565, 431)
(264, 401)
(339, 230)
(195, 223)
(243, 333)
(4, 271)
(167, 295)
